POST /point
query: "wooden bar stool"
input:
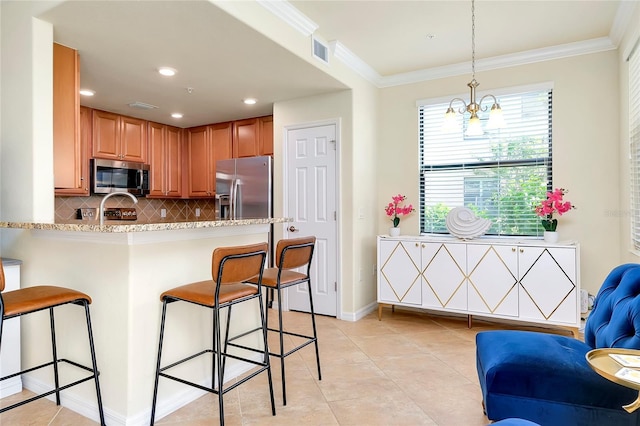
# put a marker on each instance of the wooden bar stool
(231, 267)
(28, 300)
(291, 254)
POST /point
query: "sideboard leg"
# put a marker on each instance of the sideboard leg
(469, 321)
(379, 311)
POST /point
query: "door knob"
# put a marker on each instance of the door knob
(293, 229)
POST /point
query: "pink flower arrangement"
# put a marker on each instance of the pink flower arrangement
(395, 209)
(553, 204)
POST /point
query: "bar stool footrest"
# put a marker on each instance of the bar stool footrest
(51, 392)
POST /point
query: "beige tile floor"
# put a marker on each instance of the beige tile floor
(411, 368)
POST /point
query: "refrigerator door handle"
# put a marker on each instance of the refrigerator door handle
(233, 200)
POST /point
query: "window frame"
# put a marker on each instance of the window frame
(545, 160)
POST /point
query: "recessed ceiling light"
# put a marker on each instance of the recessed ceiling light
(176, 115)
(166, 71)
(87, 92)
(249, 101)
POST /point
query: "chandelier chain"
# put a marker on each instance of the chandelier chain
(473, 39)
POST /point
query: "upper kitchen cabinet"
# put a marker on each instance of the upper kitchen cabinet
(253, 137)
(246, 135)
(165, 150)
(118, 137)
(266, 135)
(205, 145)
(70, 150)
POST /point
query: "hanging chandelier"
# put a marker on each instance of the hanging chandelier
(474, 127)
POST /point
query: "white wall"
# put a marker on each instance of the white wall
(358, 114)
(585, 147)
(624, 211)
(26, 168)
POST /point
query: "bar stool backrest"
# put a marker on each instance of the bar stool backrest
(232, 265)
(1, 276)
(294, 252)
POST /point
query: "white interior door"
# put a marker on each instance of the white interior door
(311, 194)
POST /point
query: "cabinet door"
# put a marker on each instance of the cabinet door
(158, 160)
(173, 165)
(106, 135)
(266, 135)
(246, 138)
(133, 139)
(548, 284)
(444, 272)
(221, 146)
(67, 145)
(198, 162)
(399, 274)
(492, 272)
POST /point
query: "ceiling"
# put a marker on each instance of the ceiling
(122, 44)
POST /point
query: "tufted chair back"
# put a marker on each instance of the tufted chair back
(615, 318)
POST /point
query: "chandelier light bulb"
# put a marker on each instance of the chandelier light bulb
(496, 118)
(474, 128)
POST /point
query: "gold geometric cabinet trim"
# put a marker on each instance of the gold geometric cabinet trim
(444, 285)
(492, 281)
(400, 272)
(547, 299)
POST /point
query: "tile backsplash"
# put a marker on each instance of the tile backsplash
(148, 209)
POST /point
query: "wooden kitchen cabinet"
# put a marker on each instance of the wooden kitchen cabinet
(266, 135)
(204, 146)
(70, 149)
(165, 152)
(246, 138)
(118, 137)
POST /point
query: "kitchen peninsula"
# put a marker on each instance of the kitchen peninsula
(125, 267)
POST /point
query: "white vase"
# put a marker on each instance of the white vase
(551, 236)
(394, 231)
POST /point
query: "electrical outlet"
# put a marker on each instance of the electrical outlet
(197, 212)
(163, 212)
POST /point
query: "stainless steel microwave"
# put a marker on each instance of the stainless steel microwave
(119, 176)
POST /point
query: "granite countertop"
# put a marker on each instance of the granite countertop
(127, 226)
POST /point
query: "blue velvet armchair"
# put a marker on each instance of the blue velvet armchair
(545, 378)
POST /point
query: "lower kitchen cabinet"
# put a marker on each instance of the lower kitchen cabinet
(525, 281)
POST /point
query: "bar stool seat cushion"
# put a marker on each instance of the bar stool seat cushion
(31, 299)
(203, 292)
(270, 277)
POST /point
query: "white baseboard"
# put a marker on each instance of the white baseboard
(360, 313)
(10, 387)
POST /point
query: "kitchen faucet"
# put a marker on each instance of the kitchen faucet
(101, 212)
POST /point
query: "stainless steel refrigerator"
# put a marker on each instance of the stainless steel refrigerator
(244, 188)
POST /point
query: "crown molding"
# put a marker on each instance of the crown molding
(505, 61)
(351, 60)
(289, 14)
(621, 21)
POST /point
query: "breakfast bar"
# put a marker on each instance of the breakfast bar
(124, 268)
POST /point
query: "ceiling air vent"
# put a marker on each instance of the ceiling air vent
(320, 50)
(142, 105)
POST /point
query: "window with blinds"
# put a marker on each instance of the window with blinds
(501, 175)
(634, 144)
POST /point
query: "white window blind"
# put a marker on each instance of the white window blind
(634, 142)
(500, 175)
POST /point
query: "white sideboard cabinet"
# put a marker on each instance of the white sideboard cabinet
(522, 280)
(10, 352)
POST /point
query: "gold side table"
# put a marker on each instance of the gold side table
(600, 361)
